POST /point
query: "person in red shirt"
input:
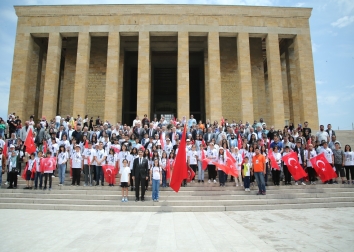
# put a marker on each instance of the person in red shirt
(259, 169)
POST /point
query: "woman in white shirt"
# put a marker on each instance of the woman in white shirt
(112, 161)
(237, 156)
(77, 163)
(62, 160)
(221, 160)
(349, 163)
(275, 171)
(212, 154)
(64, 141)
(192, 159)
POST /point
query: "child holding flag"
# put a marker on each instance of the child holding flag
(31, 168)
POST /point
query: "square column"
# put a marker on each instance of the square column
(183, 75)
(20, 75)
(52, 73)
(214, 91)
(144, 85)
(245, 77)
(81, 74)
(112, 88)
(276, 102)
(306, 79)
(292, 86)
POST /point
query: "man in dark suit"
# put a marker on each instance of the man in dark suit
(61, 132)
(140, 174)
(208, 136)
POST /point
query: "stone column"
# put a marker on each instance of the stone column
(112, 88)
(285, 88)
(276, 104)
(81, 74)
(306, 79)
(245, 77)
(20, 74)
(52, 72)
(215, 102)
(206, 87)
(292, 86)
(183, 75)
(144, 85)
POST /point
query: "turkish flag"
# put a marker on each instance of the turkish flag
(180, 167)
(273, 162)
(268, 143)
(44, 147)
(48, 164)
(116, 150)
(228, 170)
(243, 158)
(26, 169)
(204, 160)
(203, 143)
(239, 142)
(109, 172)
(5, 148)
(222, 121)
(296, 170)
(191, 174)
(29, 143)
(229, 156)
(162, 141)
(168, 169)
(262, 142)
(323, 168)
(86, 144)
(24, 172)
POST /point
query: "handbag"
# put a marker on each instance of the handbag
(15, 170)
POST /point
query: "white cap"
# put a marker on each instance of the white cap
(12, 146)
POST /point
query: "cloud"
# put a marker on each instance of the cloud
(319, 82)
(299, 5)
(346, 5)
(343, 22)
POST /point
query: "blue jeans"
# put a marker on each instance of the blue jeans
(40, 177)
(61, 173)
(200, 171)
(260, 181)
(2, 133)
(163, 178)
(99, 174)
(57, 125)
(155, 189)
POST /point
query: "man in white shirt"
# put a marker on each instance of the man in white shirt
(136, 122)
(57, 121)
(322, 135)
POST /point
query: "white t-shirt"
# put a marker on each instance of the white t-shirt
(100, 154)
(38, 164)
(89, 153)
(222, 160)
(277, 157)
(66, 143)
(239, 160)
(57, 119)
(123, 155)
(31, 163)
(212, 154)
(54, 148)
(328, 154)
(192, 157)
(349, 158)
(124, 172)
(2, 143)
(62, 157)
(322, 135)
(312, 155)
(111, 160)
(156, 172)
(76, 160)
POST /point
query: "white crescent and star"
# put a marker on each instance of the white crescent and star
(324, 165)
(289, 161)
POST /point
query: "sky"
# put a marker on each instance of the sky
(332, 33)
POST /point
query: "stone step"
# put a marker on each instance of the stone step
(141, 207)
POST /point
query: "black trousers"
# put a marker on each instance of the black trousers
(76, 176)
(139, 180)
(12, 179)
(312, 174)
(194, 168)
(211, 172)
(276, 176)
(287, 175)
(46, 175)
(131, 181)
(349, 169)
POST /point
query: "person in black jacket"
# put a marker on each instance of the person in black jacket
(140, 175)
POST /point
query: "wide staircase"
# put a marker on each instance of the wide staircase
(345, 137)
(194, 197)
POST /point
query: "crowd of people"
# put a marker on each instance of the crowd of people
(142, 153)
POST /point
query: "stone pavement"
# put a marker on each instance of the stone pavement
(269, 230)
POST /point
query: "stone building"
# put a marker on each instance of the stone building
(119, 61)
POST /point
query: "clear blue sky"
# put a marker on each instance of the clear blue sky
(332, 31)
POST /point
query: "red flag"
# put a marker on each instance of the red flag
(109, 172)
(162, 142)
(226, 169)
(180, 167)
(262, 142)
(48, 164)
(168, 169)
(308, 143)
(273, 162)
(229, 156)
(243, 158)
(44, 147)
(29, 143)
(203, 143)
(116, 150)
(323, 168)
(204, 160)
(86, 144)
(24, 172)
(88, 161)
(222, 121)
(5, 148)
(239, 142)
(296, 170)
(191, 174)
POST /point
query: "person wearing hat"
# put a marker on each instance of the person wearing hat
(339, 158)
(301, 156)
(329, 156)
(77, 165)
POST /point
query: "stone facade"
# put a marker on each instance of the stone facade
(257, 60)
